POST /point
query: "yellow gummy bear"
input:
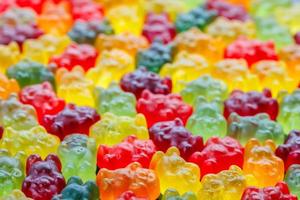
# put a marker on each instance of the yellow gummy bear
(7, 86)
(15, 195)
(73, 87)
(9, 55)
(290, 20)
(174, 172)
(291, 56)
(112, 129)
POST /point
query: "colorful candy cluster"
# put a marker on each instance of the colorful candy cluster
(149, 99)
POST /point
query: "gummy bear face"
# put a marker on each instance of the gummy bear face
(293, 177)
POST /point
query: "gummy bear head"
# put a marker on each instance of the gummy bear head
(36, 166)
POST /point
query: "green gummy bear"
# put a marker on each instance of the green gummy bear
(115, 101)
(205, 86)
(292, 178)
(207, 119)
(27, 72)
(263, 8)
(77, 153)
(78, 190)
(172, 194)
(259, 126)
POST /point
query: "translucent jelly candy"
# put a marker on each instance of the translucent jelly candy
(36, 5)
(15, 195)
(261, 162)
(227, 151)
(72, 119)
(292, 178)
(111, 66)
(226, 185)
(291, 20)
(173, 133)
(86, 10)
(159, 107)
(173, 194)
(263, 8)
(16, 16)
(297, 38)
(44, 178)
(197, 17)
(251, 50)
(278, 192)
(141, 79)
(30, 141)
(128, 151)
(291, 56)
(112, 129)
(27, 72)
(259, 126)
(186, 67)
(235, 73)
(124, 41)
(12, 172)
(83, 55)
(76, 189)
(206, 87)
(9, 55)
(251, 103)
(154, 57)
(170, 168)
(7, 86)
(87, 32)
(158, 26)
(16, 115)
(129, 195)
(142, 182)
(43, 98)
(289, 151)
(115, 101)
(207, 119)
(73, 87)
(289, 114)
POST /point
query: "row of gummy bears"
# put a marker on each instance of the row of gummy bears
(149, 99)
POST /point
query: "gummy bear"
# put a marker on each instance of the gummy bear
(115, 101)
(158, 26)
(43, 98)
(297, 38)
(141, 79)
(111, 66)
(83, 55)
(292, 178)
(278, 192)
(16, 115)
(27, 72)
(289, 151)
(171, 194)
(251, 103)
(9, 55)
(17, 16)
(143, 182)
(173, 133)
(205, 86)
(73, 87)
(30, 141)
(291, 56)
(128, 151)
(207, 119)
(261, 162)
(76, 189)
(291, 21)
(154, 57)
(251, 50)
(72, 119)
(170, 168)
(159, 107)
(218, 154)
(15, 195)
(44, 178)
(87, 32)
(112, 129)
(258, 126)
(7, 86)
(198, 17)
(86, 10)
(12, 172)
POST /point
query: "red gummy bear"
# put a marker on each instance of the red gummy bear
(279, 192)
(227, 10)
(126, 152)
(76, 54)
(129, 195)
(297, 38)
(72, 119)
(218, 154)
(159, 107)
(36, 5)
(289, 152)
(44, 178)
(251, 50)
(173, 133)
(251, 103)
(141, 79)
(158, 26)
(42, 98)
(86, 10)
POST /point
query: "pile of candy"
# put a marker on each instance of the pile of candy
(149, 99)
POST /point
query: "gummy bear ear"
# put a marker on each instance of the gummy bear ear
(271, 144)
(283, 187)
(31, 160)
(75, 179)
(55, 160)
(249, 146)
